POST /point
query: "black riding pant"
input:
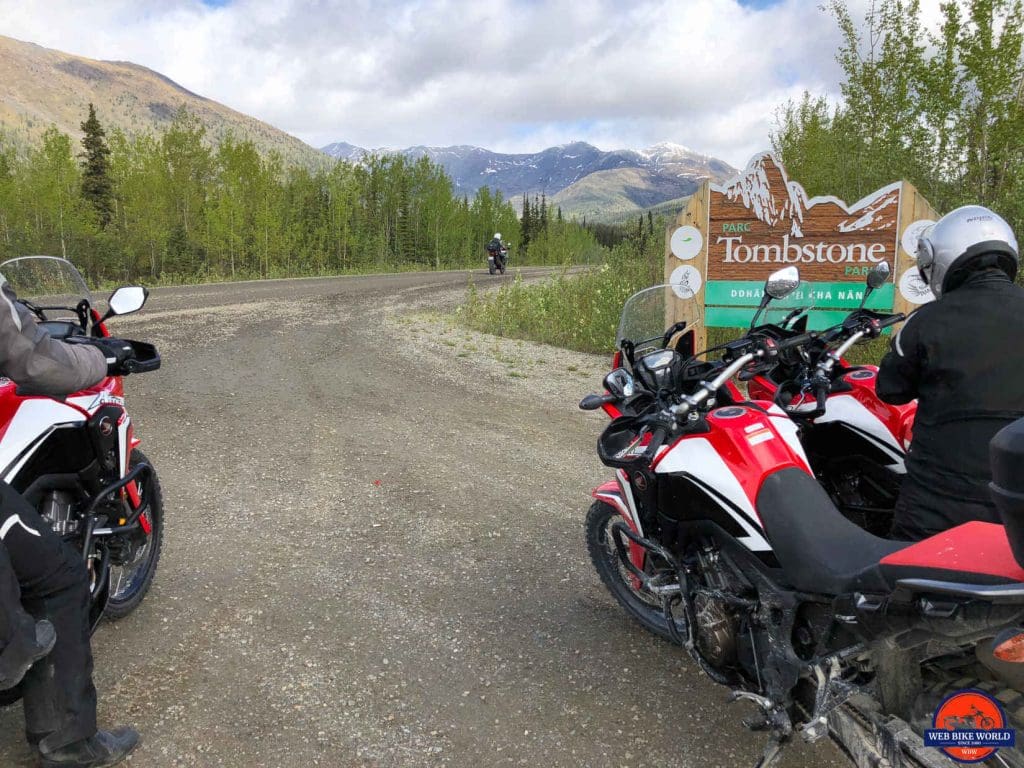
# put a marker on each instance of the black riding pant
(922, 511)
(59, 697)
(17, 628)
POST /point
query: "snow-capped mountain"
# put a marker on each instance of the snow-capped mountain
(674, 170)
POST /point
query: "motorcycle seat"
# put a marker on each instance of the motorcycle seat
(819, 550)
(822, 552)
(971, 553)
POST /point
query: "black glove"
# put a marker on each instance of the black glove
(117, 351)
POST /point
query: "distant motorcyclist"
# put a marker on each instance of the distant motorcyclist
(498, 250)
(59, 697)
(961, 356)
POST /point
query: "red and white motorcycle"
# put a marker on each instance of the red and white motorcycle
(856, 443)
(715, 533)
(77, 460)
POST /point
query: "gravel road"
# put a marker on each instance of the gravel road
(374, 551)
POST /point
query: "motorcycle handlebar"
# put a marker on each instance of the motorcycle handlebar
(796, 341)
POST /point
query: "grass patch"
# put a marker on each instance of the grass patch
(581, 312)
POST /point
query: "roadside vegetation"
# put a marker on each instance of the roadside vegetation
(578, 312)
(182, 206)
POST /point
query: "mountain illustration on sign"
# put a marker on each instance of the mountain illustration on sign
(766, 191)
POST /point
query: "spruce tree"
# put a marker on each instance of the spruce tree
(525, 226)
(97, 188)
(543, 211)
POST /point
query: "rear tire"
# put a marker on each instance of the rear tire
(119, 606)
(644, 607)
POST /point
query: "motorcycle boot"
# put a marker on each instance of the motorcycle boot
(104, 748)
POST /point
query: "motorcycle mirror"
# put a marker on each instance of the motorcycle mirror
(126, 300)
(782, 283)
(778, 286)
(620, 383)
(879, 275)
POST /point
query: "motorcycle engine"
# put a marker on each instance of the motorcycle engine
(716, 631)
(716, 625)
(56, 510)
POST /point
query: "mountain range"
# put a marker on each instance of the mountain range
(580, 178)
(40, 87)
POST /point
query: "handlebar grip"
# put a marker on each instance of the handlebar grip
(899, 317)
(821, 393)
(657, 440)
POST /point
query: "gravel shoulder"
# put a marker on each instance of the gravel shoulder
(374, 551)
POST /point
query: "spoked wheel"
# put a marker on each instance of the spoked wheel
(134, 557)
(638, 602)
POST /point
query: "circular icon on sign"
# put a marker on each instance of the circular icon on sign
(686, 281)
(912, 234)
(914, 289)
(686, 242)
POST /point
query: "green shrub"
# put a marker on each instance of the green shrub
(578, 312)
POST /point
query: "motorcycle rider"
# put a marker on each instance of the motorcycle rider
(961, 357)
(59, 697)
(497, 249)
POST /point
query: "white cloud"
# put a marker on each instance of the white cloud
(505, 74)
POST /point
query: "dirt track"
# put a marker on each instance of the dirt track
(374, 552)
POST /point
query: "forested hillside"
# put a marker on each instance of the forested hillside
(174, 206)
(942, 108)
(40, 87)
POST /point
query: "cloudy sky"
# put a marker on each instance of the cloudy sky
(510, 75)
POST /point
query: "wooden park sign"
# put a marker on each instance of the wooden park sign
(730, 237)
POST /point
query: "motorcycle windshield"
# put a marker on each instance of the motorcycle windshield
(791, 308)
(49, 282)
(647, 314)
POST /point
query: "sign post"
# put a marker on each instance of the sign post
(731, 236)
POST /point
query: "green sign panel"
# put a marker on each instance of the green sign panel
(748, 293)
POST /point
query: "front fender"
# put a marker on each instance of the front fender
(618, 494)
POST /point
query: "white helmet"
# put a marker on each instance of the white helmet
(497, 235)
(959, 240)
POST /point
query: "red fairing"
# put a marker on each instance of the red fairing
(895, 417)
(10, 401)
(972, 548)
(611, 410)
(749, 444)
(761, 388)
(611, 493)
(96, 320)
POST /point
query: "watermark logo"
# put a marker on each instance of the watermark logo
(970, 726)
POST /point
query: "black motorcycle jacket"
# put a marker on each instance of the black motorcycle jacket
(962, 357)
(37, 363)
(494, 246)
